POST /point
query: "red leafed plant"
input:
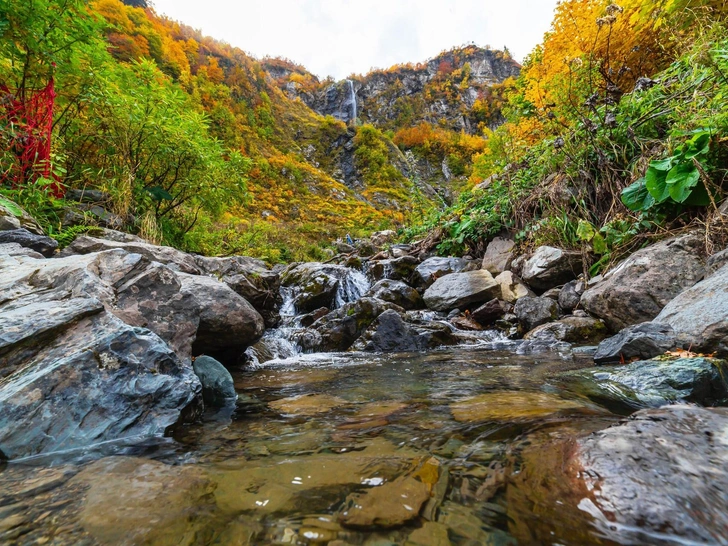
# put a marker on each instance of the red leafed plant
(28, 125)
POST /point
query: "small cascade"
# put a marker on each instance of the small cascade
(352, 286)
(288, 307)
(352, 101)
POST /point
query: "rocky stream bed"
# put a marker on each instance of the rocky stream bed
(386, 397)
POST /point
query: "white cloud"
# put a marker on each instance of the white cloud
(340, 37)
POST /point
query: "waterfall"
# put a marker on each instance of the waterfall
(352, 100)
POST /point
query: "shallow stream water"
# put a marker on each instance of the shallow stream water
(450, 447)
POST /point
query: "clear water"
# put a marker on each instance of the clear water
(334, 449)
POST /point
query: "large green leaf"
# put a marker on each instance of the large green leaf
(681, 180)
(636, 197)
(663, 164)
(656, 185)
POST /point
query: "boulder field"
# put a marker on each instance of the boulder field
(116, 337)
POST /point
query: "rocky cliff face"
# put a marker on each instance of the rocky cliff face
(442, 90)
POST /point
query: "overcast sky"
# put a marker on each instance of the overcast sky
(341, 37)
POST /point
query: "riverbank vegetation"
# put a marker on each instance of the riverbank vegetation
(615, 133)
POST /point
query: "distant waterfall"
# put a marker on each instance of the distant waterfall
(352, 99)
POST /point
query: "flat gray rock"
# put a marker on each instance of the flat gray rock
(462, 290)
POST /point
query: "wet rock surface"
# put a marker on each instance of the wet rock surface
(661, 475)
(218, 388)
(652, 383)
(341, 328)
(643, 341)
(389, 333)
(642, 285)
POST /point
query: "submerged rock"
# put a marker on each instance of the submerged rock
(461, 290)
(643, 341)
(700, 314)
(153, 503)
(218, 388)
(509, 405)
(642, 285)
(549, 267)
(392, 504)
(661, 474)
(652, 383)
(307, 404)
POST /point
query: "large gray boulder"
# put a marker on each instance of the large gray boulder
(389, 333)
(39, 243)
(462, 290)
(177, 307)
(652, 383)
(700, 314)
(549, 267)
(75, 375)
(227, 323)
(171, 257)
(659, 478)
(248, 277)
(643, 341)
(498, 255)
(432, 269)
(533, 312)
(398, 293)
(643, 284)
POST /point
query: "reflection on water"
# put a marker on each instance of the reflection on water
(452, 447)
